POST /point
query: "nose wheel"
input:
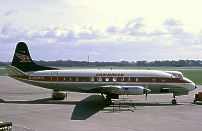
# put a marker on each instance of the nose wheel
(174, 100)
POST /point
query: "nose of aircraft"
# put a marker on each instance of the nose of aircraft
(190, 85)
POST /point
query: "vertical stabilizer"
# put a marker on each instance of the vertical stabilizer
(23, 61)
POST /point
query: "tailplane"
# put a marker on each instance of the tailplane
(23, 61)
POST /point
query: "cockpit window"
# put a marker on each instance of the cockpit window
(175, 74)
(178, 76)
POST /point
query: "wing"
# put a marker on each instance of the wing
(118, 89)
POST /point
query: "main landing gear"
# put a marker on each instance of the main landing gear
(108, 98)
(174, 100)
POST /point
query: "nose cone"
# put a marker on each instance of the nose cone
(195, 86)
(190, 85)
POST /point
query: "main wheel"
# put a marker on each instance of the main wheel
(108, 102)
(174, 101)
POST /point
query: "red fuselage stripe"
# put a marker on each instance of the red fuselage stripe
(102, 79)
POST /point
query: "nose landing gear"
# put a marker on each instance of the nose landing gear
(174, 100)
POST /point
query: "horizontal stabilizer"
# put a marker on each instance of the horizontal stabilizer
(13, 71)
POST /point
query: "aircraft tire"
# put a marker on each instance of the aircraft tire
(108, 102)
(174, 101)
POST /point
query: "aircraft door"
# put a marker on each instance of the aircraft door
(54, 79)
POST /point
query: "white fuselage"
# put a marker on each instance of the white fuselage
(91, 80)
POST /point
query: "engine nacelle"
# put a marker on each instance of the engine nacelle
(133, 90)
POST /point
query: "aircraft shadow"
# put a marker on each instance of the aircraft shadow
(84, 108)
(1, 100)
(40, 101)
(89, 106)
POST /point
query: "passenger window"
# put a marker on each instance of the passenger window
(69, 79)
(99, 79)
(83, 79)
(76, 79)
(114, 79)
(91, 78)
(63, 78)
(106, 79)
(122, 79)
(154, 79)
(129, 79)
(163, 80)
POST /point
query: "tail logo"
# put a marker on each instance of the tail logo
(23, 58)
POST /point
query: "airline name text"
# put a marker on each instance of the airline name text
(109, 74)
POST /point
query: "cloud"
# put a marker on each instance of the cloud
(132, 41)
(11, 33)
(135, 24)
(113, 29)
(108, 31)
(136, 28)
(68, 34)
(87, 32)
(10, 12)
(172, 22)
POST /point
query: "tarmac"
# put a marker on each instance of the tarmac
(31, 108)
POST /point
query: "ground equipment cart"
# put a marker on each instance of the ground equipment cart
(198, 97)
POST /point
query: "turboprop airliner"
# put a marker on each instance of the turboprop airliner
(109, 83)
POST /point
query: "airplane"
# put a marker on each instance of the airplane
(109, 83)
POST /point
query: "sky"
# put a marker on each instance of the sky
(106, 30)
